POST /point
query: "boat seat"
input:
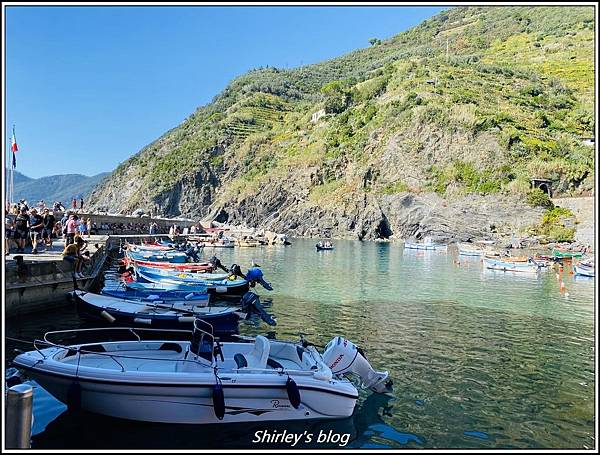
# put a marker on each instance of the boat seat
(257, 357)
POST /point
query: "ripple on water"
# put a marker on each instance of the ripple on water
(479, 359)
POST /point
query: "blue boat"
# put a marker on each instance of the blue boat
(168, 315)
(221, 284)
(529, 266)
(158, 256)
(152, 295)
(165, 287)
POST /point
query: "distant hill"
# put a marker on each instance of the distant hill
(54, 187)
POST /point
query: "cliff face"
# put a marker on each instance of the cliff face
(414, 141)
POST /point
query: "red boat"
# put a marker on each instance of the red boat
(182, 267)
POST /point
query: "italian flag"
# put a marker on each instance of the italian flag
(14, 148)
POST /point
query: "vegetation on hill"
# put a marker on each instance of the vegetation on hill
(474, 100)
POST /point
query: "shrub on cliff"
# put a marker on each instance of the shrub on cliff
(538, 198)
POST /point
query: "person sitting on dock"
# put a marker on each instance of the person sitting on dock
(72, 253)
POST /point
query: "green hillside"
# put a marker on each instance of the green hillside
(476, 100)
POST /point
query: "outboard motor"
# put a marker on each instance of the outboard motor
(255, 275)
(250, 303)
(343, 356)
(216, 264)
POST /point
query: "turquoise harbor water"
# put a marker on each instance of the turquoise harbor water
(479, 359)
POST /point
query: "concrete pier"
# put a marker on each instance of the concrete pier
(40, 282)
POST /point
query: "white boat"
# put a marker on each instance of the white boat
(585, 268)
(201, 381)
(427, 244)
(529, 266)
(468, 249)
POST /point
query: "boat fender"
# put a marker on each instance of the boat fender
(218, 401)
(74, 396)
(221, 289)
(142, 321)
(293, 392)
(186, 319)
(110, 318)
(153, 297)
(189, 296)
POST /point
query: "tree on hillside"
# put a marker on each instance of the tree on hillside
(374, 41)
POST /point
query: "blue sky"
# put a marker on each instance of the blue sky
(87, 87)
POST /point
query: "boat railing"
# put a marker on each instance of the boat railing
(84, 349)
(135, 331)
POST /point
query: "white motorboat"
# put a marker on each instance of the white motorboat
(201, 381)
(427, 244)
(585, 268)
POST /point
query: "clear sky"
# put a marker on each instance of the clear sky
(87, 87)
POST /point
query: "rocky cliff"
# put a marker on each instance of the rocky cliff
(436, 131)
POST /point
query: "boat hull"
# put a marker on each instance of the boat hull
(424, 246)
(184, 396)
(132, 313)
(219, 287)
(584, 271)
(505, 266)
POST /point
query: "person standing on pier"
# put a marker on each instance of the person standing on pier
(74, 204)
(8, 232)
(21, 229)
(49, 222)
(81, 203)
(72, 225)
(36, 221)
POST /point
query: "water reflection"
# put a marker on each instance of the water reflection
(479, 359)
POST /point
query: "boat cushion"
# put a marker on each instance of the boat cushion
(258, 356)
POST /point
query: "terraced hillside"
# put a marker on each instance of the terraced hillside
(437, 131)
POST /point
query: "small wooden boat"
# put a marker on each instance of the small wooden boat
(247, 243)
(468, 249)
(156, 313)
(163, 376)
(164, 256)
(585, 268)
(427, 244)
(563, 254)
(165, 287)
(214, 283)
(324, 247)
(151, 295)
(130, 261)
(510, 265)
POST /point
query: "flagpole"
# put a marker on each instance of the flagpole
(7, 179)
(12, 170)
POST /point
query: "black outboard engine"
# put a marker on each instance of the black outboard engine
(250, 303)
(216, 264)
(237, 271)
